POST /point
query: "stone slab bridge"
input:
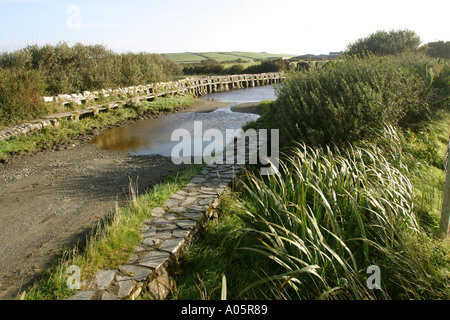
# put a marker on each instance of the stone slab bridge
(198, 87)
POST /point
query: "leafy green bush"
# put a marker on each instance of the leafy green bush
(28, 74)
(382, 43)
(442, 81)
(269, 66)
(208, 67)
(439, 49)
(90, 67)
(343, 101)
(20, 95)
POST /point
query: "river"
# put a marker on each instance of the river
(154, 136)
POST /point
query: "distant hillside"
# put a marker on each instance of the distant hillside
(223, 57)
(332, 55)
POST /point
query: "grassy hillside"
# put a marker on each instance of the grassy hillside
(192, 57)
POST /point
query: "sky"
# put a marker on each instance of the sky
(282, 26)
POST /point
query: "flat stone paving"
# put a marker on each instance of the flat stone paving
(165, 236)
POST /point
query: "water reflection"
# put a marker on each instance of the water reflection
(153, 136)
(256, 94)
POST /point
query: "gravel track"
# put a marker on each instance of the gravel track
(51, 200)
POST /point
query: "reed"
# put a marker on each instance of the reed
(329, 215)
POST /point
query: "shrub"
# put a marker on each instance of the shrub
(382, 43)
(442, 81)
(234, 69)
(208, 66)
(439, 49)
(33, 72)
(433, 71)
(90, 67)
(269, 66)
(343, 101)
(20, 95)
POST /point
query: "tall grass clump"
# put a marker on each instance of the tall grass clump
(342, 102)
(330, 214)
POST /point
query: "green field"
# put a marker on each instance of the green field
(193, 57)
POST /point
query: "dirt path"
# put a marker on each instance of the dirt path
(50, 200)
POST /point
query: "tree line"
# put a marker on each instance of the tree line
(30, 73)
(67, 69)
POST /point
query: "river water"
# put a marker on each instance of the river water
(154, 136)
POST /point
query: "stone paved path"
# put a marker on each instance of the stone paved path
(165, 237)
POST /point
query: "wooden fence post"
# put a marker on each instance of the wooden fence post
(445, 214)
